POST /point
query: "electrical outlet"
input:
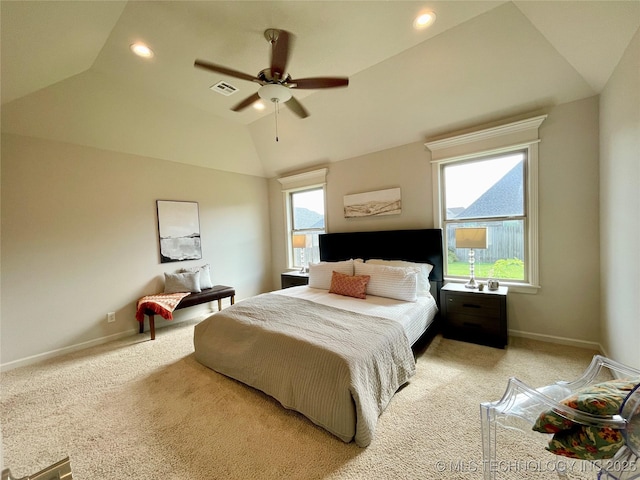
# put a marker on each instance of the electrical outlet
(111, 317)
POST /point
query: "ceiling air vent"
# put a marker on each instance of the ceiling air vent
(224, 88)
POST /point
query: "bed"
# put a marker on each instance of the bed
(333, 357)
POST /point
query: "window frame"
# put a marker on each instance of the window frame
(304, 231)
(504, 139)
(308, 181)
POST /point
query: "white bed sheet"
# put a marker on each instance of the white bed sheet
(414, 317)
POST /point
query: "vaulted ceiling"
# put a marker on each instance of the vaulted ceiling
(68, 73)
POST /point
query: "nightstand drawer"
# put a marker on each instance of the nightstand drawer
(473, 325)
(293, 279)
(477, 305)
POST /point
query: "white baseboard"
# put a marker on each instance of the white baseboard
(603, 351)
(559, 340)
(60, 351)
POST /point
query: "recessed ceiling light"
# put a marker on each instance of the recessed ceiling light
(259, 105)
(141, 50)
(424, 19)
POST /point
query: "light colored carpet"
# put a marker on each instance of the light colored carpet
(144, 409)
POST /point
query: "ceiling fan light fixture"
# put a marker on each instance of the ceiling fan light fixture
(424, 20)
(274, 93)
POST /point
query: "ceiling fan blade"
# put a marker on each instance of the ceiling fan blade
(280, 54)
(319, 82)
(297, 108)
(226, 71)
(246, 102)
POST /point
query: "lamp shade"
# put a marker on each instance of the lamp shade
(471, 237)
(299, 241)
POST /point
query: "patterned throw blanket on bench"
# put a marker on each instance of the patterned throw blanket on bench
(162, 303)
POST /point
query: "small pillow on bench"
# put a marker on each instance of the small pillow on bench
(186, 282)
(205, 275)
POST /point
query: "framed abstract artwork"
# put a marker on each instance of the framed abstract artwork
(380, 202)
(178, 231)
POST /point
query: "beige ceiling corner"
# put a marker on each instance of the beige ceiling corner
(46, 42)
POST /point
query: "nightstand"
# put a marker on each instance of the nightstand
(293, 279)
(473, 315)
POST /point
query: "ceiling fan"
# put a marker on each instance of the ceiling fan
(276, 83)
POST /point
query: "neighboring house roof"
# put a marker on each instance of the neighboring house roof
(453, 212)
(305, 218)
(505, 197)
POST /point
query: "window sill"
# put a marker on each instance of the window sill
(514, 287)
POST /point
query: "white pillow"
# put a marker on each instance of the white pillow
(424, 286)
(399, 283)
(205, 275)
(320, 273)
(186, 282)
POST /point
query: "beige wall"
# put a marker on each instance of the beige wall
(567, 304)
(79, 239)
(620, 208)
(405, 167)
(566, 308)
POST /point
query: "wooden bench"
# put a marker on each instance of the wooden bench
(217, 292)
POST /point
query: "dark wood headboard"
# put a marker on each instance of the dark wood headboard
(421, 246)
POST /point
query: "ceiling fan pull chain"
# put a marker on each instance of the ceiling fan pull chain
(277, 107)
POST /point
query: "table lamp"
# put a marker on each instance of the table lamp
(300, 241)
(471, 238)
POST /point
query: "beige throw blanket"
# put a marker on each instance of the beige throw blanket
(338, 368)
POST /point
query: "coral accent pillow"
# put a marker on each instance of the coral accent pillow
(349, 285)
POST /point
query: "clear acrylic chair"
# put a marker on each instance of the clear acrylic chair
(58, 471)
(521, 405)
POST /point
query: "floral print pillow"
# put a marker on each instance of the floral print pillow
(583, 442)
(586, 443)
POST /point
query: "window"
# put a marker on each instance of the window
(304, 199)
(307, 223)
(490, 193)
(489, 179)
